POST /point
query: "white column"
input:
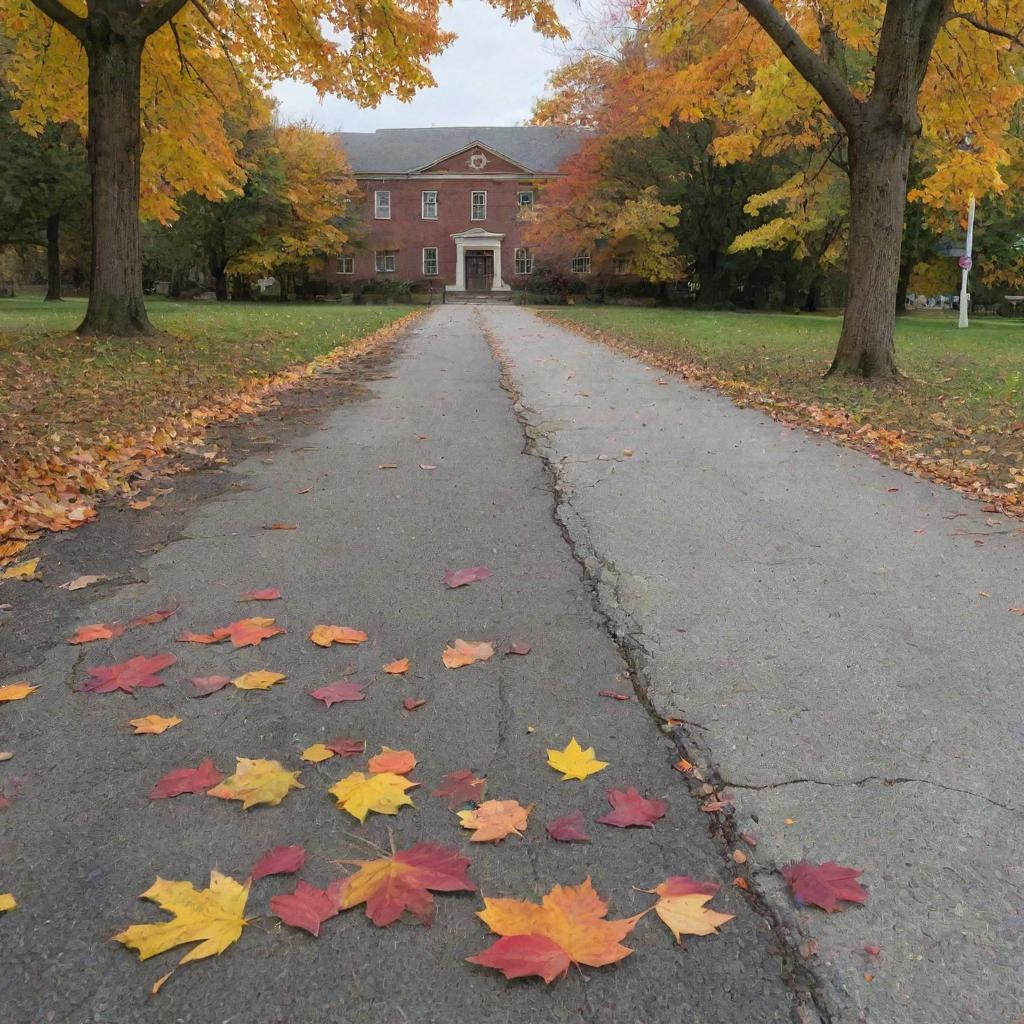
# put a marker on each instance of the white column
(460, 268)
(497, 284)
(965, 264)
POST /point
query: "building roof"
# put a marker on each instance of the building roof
(403, 150)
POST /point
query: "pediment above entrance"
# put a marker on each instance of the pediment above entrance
(476, 160)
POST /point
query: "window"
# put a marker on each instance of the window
(384, 260)
(525, 200)
(346, 265)
(524, 261)
(429, 206)
(430, 262)
(622, 265)
(581, 263)
(382, 205)
(478, 209)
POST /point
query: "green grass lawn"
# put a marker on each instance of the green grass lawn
(962, 397)
(54, 383)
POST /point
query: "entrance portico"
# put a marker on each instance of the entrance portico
(475, 250)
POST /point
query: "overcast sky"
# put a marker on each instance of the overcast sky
(489, 76)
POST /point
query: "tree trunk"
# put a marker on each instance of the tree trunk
(53, 258)
(811, 300)
(116, 304)
(879, 164)
(220, 283)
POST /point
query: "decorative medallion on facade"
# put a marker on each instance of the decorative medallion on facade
(477, 161)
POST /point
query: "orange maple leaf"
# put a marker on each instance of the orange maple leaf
(398, 762)
(569, 927)
(324, 636)
(493, 820)
(466, 652)
(248, 632)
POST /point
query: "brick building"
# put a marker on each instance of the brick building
(446, 204)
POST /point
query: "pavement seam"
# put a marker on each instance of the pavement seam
(602, 577)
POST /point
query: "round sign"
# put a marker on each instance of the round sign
(965, 262)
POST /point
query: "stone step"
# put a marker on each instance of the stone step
(478, 297)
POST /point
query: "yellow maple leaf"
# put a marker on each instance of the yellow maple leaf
(7, 901)
(466, 652)
(22, 571)
(16, 691)
(324, 636)
(574, 762)
(384, 793)
(682, 907)
(153, 724)
(493, 820)
(261, 680)
(212, 917)
(257, 781)
(316, 753)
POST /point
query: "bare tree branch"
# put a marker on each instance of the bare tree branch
(821, 75)
(57, 12)
(155, 15)
(1017, 38)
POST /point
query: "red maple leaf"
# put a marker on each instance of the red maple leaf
(522, 956)
(306, 907)
(280, 860)
(629, 808)
(336, 693)
(248, 632)
(684, 885)
(196, 638)
(205, 685)
(460, 577)
(613, 694)
(152, 618)
(128, 675)
(568, 829)
(412, 703)
(96, 631)
(824, 885)
(392, 885)
(267, 594)
(520, 647)
(187, 780)
(347, 748)
(461, 787)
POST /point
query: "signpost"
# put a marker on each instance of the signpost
(965, 262)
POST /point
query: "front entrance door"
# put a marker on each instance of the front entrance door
(479, 270)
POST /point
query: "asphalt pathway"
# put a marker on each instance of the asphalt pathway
(81, 840)
(837, 637)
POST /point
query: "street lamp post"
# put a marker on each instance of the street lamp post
(965, 263)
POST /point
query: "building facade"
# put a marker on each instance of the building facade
(447, 205)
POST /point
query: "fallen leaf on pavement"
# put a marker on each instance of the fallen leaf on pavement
(426, 465)
(186, 780)
(213, 918)
(16, 691)
(568, 829)
(153, 725)
(520, 647)
(872, 950)
(306, 907)
(317, 753)
(400, 762)
(824, 885)
(1017, 611)
(397, 668)
(387, 465)
(205, 685)
(141, 504)
(359, 794)
(629, 809)
(248, 632)
(324, 636)
(22, 571)
(461, 787)
(391, 885)
(80, 582)
(681, 905)
(280, 860)
(493, 820)
(347, 748)
(683, 766)
(466, 652)
(128, 675)
(196, 638)
(257, 781)
(267, 594)
(280, 526)
(7, 902)
(96, 631)
(613, 695)
(412, 703)
(461, 577)
(569, 927)
(260, 680)
(574, 762)
(336, 693)
(152, 618)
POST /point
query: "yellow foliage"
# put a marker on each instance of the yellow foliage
(574, 762)
(257, 781)
(384, 793)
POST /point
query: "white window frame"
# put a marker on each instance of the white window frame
(524, 261)
(346, 265)
(426, 272)
(424, 204)
(622, 265)
(528, 205)
(474, 205)
(382, 210)
(580, 263)
(381, 259)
